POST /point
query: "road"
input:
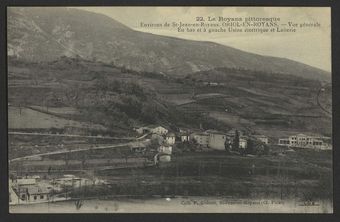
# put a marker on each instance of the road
(72, 135)
(80, 150)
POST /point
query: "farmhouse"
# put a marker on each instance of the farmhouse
(151, 129)
(216, 139)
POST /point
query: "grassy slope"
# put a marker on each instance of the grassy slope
(118, 98)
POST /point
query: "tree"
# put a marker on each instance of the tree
(236, 141)
(227, 145)
(250, 147)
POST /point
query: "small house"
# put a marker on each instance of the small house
(170, 138)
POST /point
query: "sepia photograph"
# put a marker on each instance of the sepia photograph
(121, 109)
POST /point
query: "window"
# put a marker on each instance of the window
(35, 197)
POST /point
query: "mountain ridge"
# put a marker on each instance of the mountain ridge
(43, 35)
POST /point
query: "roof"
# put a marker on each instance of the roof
(301, 134)
(200, 134)
(34, 190)
(29, 181)
(170, 134)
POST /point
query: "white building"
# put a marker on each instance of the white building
(302, 141)
(152, 129)
(216, 139)
(243, 143)
(159, 130)
(32, 193)
(164, 158)
(185, 137)
(165, 149)
(170, 138)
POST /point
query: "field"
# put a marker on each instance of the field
(304, 175)
(27, 118)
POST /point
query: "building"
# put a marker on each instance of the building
(216, 139)
(170, 138)
(161, 158)
(13, 197)
(243, 142)
(142, 130)
(25, 181)
(302, 141)
(185, 137)
(201, 138)
(165, 149)
(159, 130)
(262, 138)
(284, 142)
(232, 133)
(164, 158)
(152, 129)
(138, 147)
(32, 194)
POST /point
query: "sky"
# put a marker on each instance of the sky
(311, 46)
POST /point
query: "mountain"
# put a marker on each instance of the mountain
(45, 34)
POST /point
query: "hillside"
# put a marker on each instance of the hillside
(36, 34)
(119, 99)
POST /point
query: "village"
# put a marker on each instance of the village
(160, 144)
